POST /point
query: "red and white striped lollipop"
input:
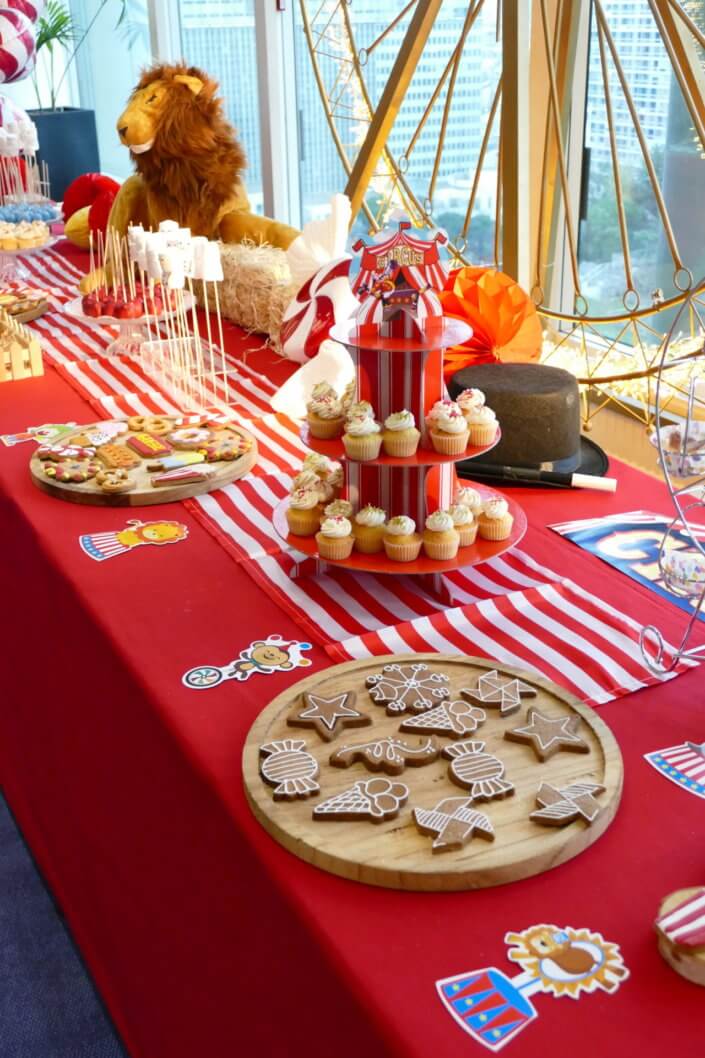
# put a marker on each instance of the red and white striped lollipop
(17, 45)
(324, 300)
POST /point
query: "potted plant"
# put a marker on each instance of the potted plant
(67, 135)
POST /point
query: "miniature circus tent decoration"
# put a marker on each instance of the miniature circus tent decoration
(398, 284)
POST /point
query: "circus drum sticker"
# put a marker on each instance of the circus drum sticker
(493, 1007)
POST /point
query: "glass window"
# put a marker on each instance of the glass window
(355, 46)
(107, 67)
(677, 159)
(219, 37)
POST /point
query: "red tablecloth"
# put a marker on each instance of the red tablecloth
(205, 937)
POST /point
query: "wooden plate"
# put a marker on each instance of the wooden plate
(144, 492)
(393, 853)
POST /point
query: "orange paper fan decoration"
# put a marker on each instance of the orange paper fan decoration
(503, 317)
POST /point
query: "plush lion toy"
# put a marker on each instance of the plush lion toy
(188, 160)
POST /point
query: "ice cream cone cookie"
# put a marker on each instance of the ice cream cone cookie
(495, 522)
(303, 514)
(470, 399)
(362, 438)
(400, 437)
(440, 539)
(368, 529)
(324, 413)
(483, 425)
(463, 523)
(469, 498)
(449, 432)
(373, 799)
(334, 539)
(338, 509)
(401, 541)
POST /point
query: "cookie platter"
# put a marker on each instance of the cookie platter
(143, 460)
(431, 772)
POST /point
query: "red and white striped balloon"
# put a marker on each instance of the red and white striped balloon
(324, 300)
(31, 8)
(17, 45)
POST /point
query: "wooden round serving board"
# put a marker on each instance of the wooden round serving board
(395, 853)
(144, 492)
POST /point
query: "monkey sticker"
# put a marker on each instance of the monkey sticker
(263, 657)
(560, 961)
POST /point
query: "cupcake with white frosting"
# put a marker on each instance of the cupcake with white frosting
(362, 438)
(495, 522)
(483, 425)
(304, 512)
(324, 412)
(401, 541)
(441, 540)
(368, 529)
(338, 509)
(309, 479)
(448, 430)
(469, 497)
(320, 463)
(360, 407)
(334, 539)
(400, 437)
(463, 523)
(470, 399)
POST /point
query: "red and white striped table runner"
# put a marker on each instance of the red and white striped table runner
(510, 609)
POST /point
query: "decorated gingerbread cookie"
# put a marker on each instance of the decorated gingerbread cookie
(560, 807)
(157, 425)
(181, 476)
(375, 799)
(289, 769)
(118, 456)
(328, 715)
(73, 471)
(477, 771)
(391, 755)
(453, 823)
(117, 480)
(499, 692)
(148, 445)
(453, 719)
(57, 453)
(190, 437)
(548, 735)
(403, 688)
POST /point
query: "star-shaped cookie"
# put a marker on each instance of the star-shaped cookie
(328, 715)
(547, 736)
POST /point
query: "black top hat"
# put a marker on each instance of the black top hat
(538, 408)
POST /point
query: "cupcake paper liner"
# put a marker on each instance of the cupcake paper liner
(449, 444)
(324, 429)
(303, 522)
(401, 443)
(483, 435)
(467, 534)
(368, 539)
(495, 528)
(403, 550)
(334, 547)
(438, 545)
(362, 449)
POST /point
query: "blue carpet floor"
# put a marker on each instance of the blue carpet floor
(48, 1007)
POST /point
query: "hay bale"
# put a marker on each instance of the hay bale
(256, 289)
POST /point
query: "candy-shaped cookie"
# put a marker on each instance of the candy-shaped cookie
(289, 769)
(115, 480)
(477, 771)
(59, 452)
(72, 470)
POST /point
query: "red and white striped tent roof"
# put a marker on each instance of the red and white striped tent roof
(417, 260)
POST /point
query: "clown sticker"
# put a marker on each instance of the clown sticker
(101, 546)
(493, 1007)
(261, 658)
